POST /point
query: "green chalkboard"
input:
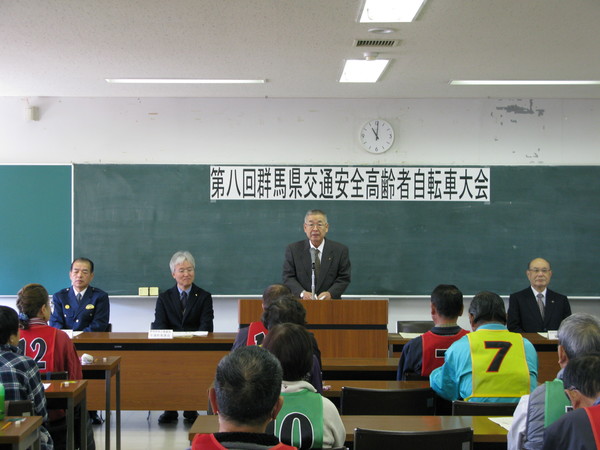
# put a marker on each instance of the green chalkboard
(35, 227)
(131, 218)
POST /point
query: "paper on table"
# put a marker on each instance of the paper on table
(410, 335)
(504, 422)
(46, 385)
(189, 333)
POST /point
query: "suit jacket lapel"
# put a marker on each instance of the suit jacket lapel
(325, 263)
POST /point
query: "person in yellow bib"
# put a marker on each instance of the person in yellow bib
(489, 365)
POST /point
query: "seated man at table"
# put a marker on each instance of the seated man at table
(579, 429)
(424, 353)
(256, 331)
(19, 374)
(184, 307)
(246, 396)
(578, 335)
(489, 365)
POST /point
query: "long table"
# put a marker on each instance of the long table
(175, 374)
(484, 430)
(157, 374)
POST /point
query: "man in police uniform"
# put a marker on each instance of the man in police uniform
(81, 307)
(489, 365)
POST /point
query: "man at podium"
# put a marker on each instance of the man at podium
(316, 268)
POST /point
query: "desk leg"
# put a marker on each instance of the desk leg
(84, 421)
(70, 424)
(118, 406)
(107, 421)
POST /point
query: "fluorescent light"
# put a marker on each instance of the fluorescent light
(180, 81)
(524, 82)
(362, 71)
(390, 10)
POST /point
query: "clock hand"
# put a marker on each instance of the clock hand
(376, 133)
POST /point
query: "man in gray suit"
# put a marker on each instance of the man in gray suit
(329, 260)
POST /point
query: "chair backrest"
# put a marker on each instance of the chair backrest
(55, 375)
(412, 376)
(414, 326)
(394, 402)
(456, 439)
(18, 408)
(460, 408)
(109, 327)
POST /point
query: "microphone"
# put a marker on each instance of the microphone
(312, 284)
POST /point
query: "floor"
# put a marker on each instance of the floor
(138, 431)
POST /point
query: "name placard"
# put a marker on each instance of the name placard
(160, 334)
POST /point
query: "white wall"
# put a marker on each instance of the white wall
(297, 131)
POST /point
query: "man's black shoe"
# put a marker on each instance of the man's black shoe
(95, 418)
(190, 416)
(168, 417)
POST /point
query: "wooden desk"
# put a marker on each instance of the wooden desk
(104, 368)
(67, 395)
(157, 374)
(484, 430)
(22, 436)
(335, 386)
(546, 350)
(359, 368)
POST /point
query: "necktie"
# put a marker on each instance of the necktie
(316, 252)
(79, 298)
(541, 304)
(184, 297)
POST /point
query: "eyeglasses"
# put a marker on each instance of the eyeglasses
(538, 270)
(318, 225)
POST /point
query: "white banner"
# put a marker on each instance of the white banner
(460, 184)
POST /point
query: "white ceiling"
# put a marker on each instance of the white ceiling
(68, 47)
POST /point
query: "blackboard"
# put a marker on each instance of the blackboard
(35, 227)
(130, 219)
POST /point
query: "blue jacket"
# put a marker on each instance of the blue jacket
(92, 314)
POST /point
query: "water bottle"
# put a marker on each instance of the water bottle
(1, 401)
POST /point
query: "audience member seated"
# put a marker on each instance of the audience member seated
(19, 374)
(307, 419)
(246, 396)
(489, 365)
(256, 331)
(579, 429)
(578, 335)
(426, 352)
(52, 350)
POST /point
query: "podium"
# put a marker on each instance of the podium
(343, 328)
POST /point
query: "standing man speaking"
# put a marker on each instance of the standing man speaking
(316, 268)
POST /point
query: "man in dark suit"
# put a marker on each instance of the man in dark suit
(330, 259)
(80, 307)
(537, 308)
(184, 307)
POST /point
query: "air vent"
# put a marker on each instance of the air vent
(376, 42)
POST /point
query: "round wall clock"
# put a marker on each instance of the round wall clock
(376, 136)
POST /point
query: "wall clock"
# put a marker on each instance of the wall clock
(376, 136)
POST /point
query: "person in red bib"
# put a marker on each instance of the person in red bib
(579, 429)
(51, 349)
(423, 354)
(246, 395)
(256, 331)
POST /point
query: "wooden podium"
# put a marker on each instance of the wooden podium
(343, 328)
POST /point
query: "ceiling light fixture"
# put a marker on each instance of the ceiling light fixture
(390, 10)
(379, 30)
(181, 81)
(524, 82)
(363, 71)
